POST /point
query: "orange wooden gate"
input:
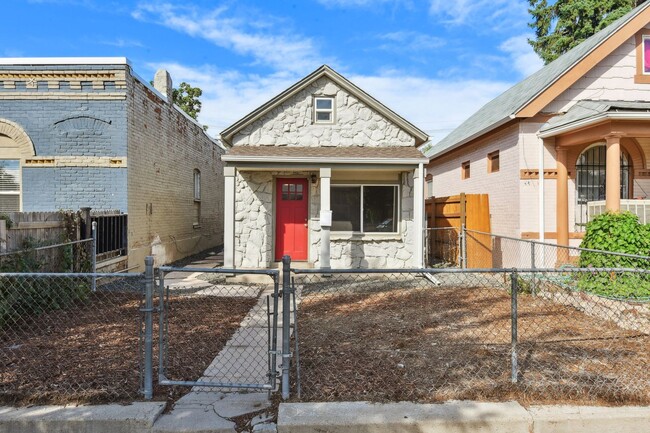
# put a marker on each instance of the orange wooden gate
(471, 210)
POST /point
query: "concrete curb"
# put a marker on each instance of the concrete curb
(458, 416)
(114, 418)
(363, 417)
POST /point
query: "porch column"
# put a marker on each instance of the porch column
(325, 217)
(418, 216)
(229, 218)
(562, 205)
(613, 174)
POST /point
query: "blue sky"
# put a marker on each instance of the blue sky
(433, 61)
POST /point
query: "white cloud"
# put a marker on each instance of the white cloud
(522, 56)
(411, 41)
(492, 14)
(244, 35)
(434, 105)
(357, 3)
(123, 43)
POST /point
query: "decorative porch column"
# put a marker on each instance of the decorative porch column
(418, 215)
(325, 217)
(229, 218)
(562, 205)
(613, 174)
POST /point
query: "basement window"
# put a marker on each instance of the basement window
(323, 110)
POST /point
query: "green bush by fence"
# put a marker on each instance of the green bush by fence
(622, 233)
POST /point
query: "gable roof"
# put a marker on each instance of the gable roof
(325, 71)
(513, 101)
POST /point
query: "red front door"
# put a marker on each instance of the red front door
(291, 219)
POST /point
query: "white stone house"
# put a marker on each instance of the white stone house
(581, 124)
(326, 174)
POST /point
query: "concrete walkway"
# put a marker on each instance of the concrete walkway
(244, 359)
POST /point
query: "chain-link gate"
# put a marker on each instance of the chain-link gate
(217, 327)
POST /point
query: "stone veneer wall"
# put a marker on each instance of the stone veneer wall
(254, 228)
(291, 124)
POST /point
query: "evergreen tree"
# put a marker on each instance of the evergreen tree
(563, 24)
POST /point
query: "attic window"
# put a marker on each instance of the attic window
(646, 55)
(464, 170)
(642, 57)
(323, 110)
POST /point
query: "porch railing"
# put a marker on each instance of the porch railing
(641, 208)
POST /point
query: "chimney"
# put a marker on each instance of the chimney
(162, 82)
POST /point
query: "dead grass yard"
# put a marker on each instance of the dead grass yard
(90, 353)
(437, 344)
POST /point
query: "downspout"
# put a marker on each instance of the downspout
(542, 224)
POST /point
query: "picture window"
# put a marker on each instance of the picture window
(365, 208)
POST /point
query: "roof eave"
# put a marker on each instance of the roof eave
(473, 137)
(321, 160)
(584, 123)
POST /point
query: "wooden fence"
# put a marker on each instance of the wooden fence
(469, 210)
(22, 230)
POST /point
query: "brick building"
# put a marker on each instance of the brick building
(88, 132)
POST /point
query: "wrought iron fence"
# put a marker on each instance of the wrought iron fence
(535, 335)
(63, 342)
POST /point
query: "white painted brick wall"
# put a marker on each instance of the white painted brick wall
(164, 148)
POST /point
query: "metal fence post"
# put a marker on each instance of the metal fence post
(94, 255)
(286, 324)
(532, 266)
(148, 327)
(513, 320)
(463, 246)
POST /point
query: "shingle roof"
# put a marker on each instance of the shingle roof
(327, 152)
(503, 108)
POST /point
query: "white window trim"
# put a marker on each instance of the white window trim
(324, 110)
(397, 205)
(643, 39)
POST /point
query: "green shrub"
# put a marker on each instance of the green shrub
(622, 233)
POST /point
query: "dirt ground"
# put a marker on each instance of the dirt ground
(438, 344)
(92, 355)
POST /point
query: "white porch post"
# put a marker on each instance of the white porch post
(418, 216)
(325, 217)
(613, 174)
(229, 218)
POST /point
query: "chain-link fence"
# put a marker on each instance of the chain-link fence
(218, 331)
(431, 335)
(63, 342)
(76, 256)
